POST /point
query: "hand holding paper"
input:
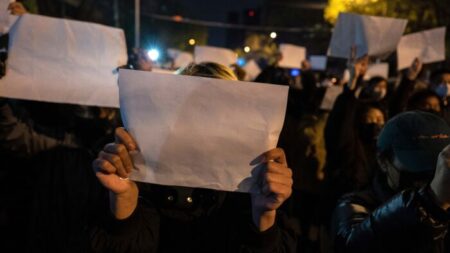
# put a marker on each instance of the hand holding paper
(356, 68)
(112, 168)
(114, 165)
(414, 69)
(275, 189)
(16, 8)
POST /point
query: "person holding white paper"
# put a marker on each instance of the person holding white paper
(405, 89)
(350, 136)
(154, 218)
(406, 207)
(432, 98)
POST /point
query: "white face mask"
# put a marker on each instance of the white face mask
(379, 93)
(382, 93)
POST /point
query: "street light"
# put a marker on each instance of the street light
(273, 35)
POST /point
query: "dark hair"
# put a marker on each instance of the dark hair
(435, 77)
(375, 80)
(419, 97)
(208, 69)
(364, 108)
(367, 90)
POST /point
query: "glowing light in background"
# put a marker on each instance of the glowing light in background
(241, 62)
(153, 54)
(192, 42)
(247, 49)
(295, 72)
(273, 35)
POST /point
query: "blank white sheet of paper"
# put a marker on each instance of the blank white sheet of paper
(292, 56)
(200, 132)
(428, 46)
(219, 55)
(375, 36)
(318, 62)
(67, 62)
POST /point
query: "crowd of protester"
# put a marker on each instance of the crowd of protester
(371, 175)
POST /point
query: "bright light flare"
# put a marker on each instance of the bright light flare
(153, 54)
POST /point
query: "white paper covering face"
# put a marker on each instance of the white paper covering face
(318, 62)
(375, 36)
(428, 46)
(252, 70)
(58, 60)
(200, 132)
(293, 56)
(219, 55)
(379, 69)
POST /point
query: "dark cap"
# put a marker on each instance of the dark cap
(416, 139)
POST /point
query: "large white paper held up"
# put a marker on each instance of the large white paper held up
(378, 69)
(428, 46)
(200, 132)
(67, 61)
(375, 36)
(292, 56)
(252, 70)
(219, 55)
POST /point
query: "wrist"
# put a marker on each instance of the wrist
(411, 76)
(123, 205)
(263, 220)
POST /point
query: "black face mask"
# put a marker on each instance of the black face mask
(439, 114)
(414, 180)
(369, 132)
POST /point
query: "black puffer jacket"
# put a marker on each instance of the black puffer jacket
(211, 221)
(377, 220)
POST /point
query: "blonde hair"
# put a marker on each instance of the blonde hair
(208, 69)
